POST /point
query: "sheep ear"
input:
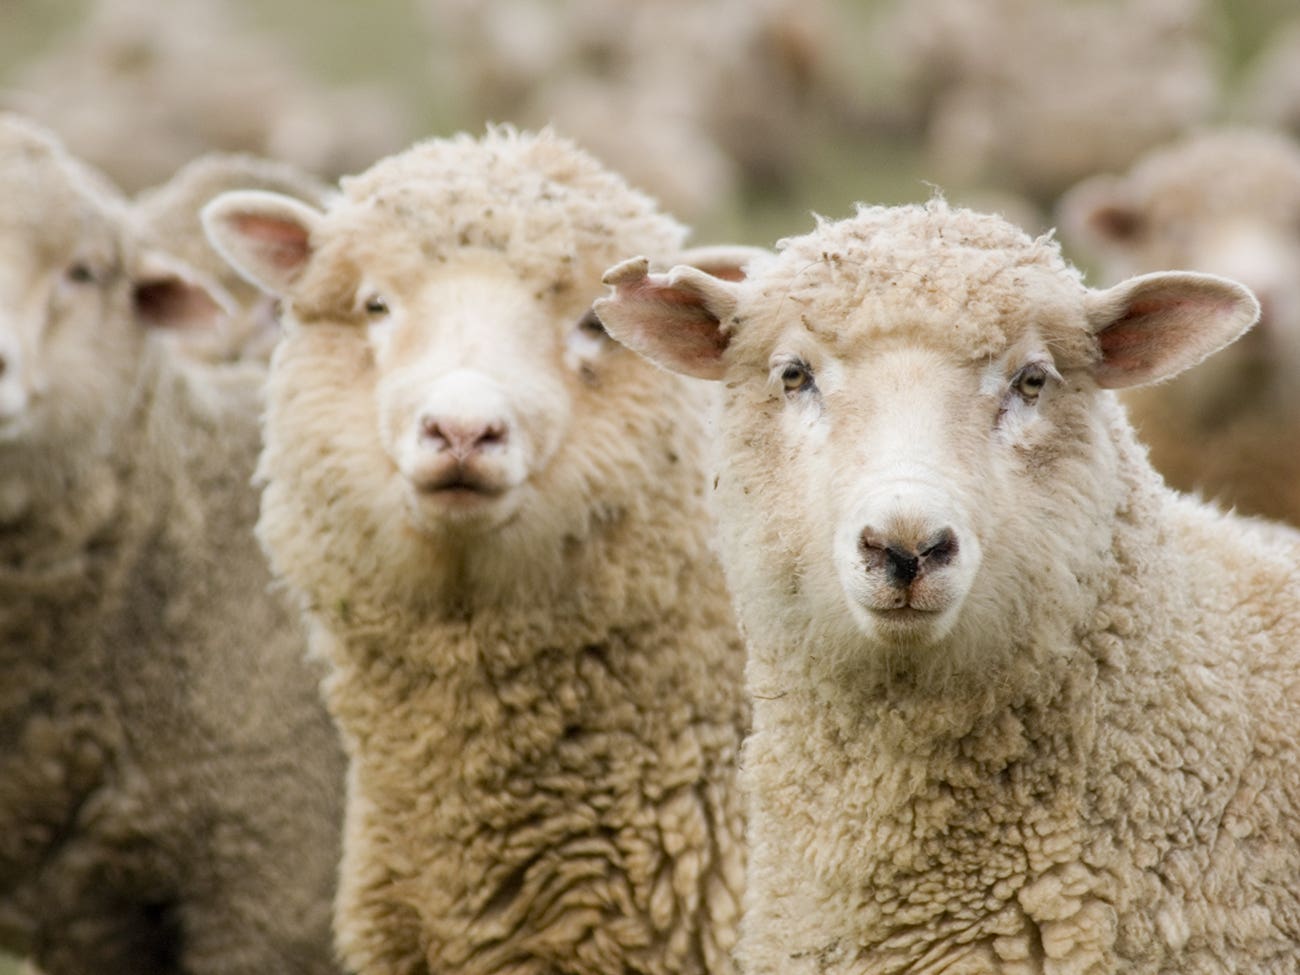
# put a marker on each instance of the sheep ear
(264, 236)
(1154, 326)
(1099, 214)
(169, 294)
(726, 261)
(679, 320)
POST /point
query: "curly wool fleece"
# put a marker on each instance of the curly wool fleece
(544, 719)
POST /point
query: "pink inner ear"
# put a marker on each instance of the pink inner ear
(1162, 332)
(1131, 344)
(281, 242)
(1115, 222)
(648, 290)
(707, 340)
(172, 302)
(1122, 346)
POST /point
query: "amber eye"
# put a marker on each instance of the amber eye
(796, 377)
(376, 306)
(80, 273)
(1030, 380)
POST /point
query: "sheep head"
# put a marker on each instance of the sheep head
(442, 306)
(911, 447)
(78, 296)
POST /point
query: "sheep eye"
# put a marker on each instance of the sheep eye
(591, 324)
(376, 306)
(80, 273)
(796, 377)
(1030, 380)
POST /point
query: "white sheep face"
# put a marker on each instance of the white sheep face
(58, 301)
(913, 450)
(65, 297)
(910, 434)
(472, 375)
(75, 296)
(442, 387)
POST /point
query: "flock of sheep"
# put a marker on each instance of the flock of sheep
(452, 567)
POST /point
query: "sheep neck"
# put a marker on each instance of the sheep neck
(945, 783)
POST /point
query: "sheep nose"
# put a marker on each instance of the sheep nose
(904, 561)
(462, 437)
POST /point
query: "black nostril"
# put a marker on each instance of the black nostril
(4, 364)
(902, 563)
(903, 566)
(941, 549)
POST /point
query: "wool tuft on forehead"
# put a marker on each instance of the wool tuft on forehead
(536, 197)
(901, 267)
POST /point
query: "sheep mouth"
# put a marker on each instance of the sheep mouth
(906, 614)
(434, 504)
(458, 486)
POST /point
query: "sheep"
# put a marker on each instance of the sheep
(735, 108)
(1018, 706)
(170, 783)
(1035, 96)
(168, 218)
(1226, 201)
(494, 520)
(139, 95)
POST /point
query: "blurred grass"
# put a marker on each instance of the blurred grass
(386, 41)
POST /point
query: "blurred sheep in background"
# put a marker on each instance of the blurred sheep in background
(1038, 95)
(139, 93)
(742, 117)
(1226, 201)
(168, 217)
(170, 783)
(700, 102)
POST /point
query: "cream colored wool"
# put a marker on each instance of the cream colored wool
(1089, 763)
(1225, 201)
(543, 703)
(170, 784)
(167, 216)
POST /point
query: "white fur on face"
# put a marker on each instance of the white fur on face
(898, 483)
(56, 348)
(899, 502)
(472, 391)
